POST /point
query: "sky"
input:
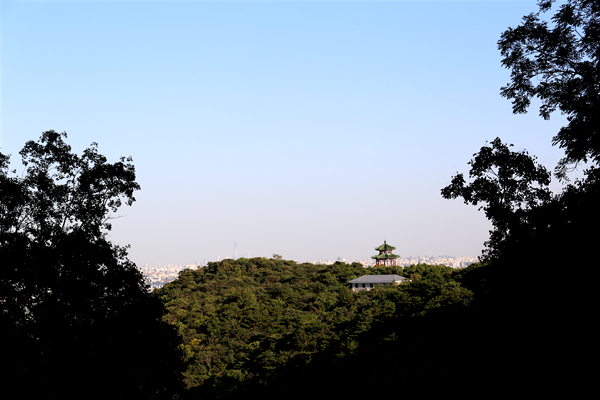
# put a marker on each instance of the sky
(314, 130)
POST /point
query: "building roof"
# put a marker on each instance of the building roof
(378, 279)
(385, 247)
(385, 256)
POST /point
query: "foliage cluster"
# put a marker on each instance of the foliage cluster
(556, 61)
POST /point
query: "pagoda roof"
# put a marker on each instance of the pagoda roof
(385, 246)
(385, 256)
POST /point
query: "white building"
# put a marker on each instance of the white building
(368, 282)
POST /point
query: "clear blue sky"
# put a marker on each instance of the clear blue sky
(308, 129)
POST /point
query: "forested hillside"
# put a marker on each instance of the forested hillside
(271, 326)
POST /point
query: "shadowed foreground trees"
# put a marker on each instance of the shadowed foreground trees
(531, 295)
(73, 308)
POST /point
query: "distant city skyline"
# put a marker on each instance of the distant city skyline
(157, 275)
(314, 130)
(402, 261)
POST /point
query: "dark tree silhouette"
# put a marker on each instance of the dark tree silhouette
(523, 305)
(557, 61)
(72, 305)
(509, 184)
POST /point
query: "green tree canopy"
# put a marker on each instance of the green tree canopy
(260, 326)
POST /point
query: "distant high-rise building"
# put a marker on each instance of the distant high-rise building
(235, 251)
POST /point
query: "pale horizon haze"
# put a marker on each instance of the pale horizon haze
(311, 129)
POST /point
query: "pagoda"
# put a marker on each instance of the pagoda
(385, 256)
